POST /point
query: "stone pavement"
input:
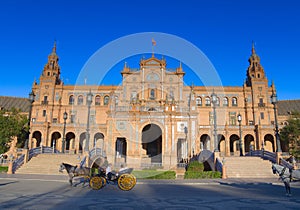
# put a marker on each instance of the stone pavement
(54, 192)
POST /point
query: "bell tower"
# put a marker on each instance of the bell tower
(51, 71)
(255, 72)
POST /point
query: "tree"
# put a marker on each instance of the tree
(290, 134)
(12, 123)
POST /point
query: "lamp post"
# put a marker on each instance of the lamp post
(214, 101)
(31, 100)
(240, 129)
(89, 102)
(274, 102)
(64, 133)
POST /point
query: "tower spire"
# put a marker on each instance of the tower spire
(253, 48)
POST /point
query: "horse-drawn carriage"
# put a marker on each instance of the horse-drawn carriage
(124, 179)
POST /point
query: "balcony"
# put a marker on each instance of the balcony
(261, 104)
(45, 102)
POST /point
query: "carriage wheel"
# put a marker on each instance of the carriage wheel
(96, 183)
(103, 181)
(126, 182)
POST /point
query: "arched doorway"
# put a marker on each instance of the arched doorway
(36, 139)
(221, 145)
(121, 150)
(99, 141)
(269, 143)
(70, 141)
(234, 144)
(204, 142)
(152, 142)
(54, 140)
(249, 143)
(82, 141)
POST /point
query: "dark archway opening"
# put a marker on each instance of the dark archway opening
(152, 142)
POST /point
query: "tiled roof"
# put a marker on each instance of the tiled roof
(7, 103)
(287, 106)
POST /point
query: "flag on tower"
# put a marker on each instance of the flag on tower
(153, 42)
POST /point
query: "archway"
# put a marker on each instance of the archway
(221, 144)
(36, 138)
(234, 144)
(99, 141)
(269, 143)
(205, 142)
(54, 140)
(82, 141)
(152, 142)
(249, 143)
(70, 141)
(121, 150)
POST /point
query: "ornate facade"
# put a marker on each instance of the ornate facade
(152, 117)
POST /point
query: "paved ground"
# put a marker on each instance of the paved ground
(54, 192)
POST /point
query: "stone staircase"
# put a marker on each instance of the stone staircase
(48, 164)
(248, 167)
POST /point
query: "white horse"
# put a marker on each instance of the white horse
(286, 175)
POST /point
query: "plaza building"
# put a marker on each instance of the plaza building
(152, 117)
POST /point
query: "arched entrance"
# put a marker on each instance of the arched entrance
(221, 145)
(99, 141)
(54, 140)
(82, 142)
(121, 150)
(269, 143)
(204, 142)
(70, 139)
(152, 142)
(36, 139)
(234, 144)
(249, 143)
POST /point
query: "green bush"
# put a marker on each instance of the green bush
(3, 169)
(202, 175)
(195, 170)
(195, 166)
(154, 174)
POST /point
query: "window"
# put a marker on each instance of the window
(54, 120)
(232, 118)
(97, 100)
(71, 100)
(207, 101)
(106, 100)
(44, 113)
(234, 101)
(262, 116)
(80, 100)
(199, 101)
(218, 101)
(45, 101)
(72, 118)
(152, 94)
(225, 101)
(117, 100)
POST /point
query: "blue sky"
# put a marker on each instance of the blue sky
(223, 30)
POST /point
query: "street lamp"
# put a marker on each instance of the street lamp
(240, 129)
(274, 102)
(31, 100)
(65, 116)
(89, 102)
(214, 101)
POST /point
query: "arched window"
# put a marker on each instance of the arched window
(106, 100)
(225, 101)
(71, 100)
(218, 101)
(97, 100)
(199, 101)
(207, 101)
(234, 101)
(80, 100)
(152, 94)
